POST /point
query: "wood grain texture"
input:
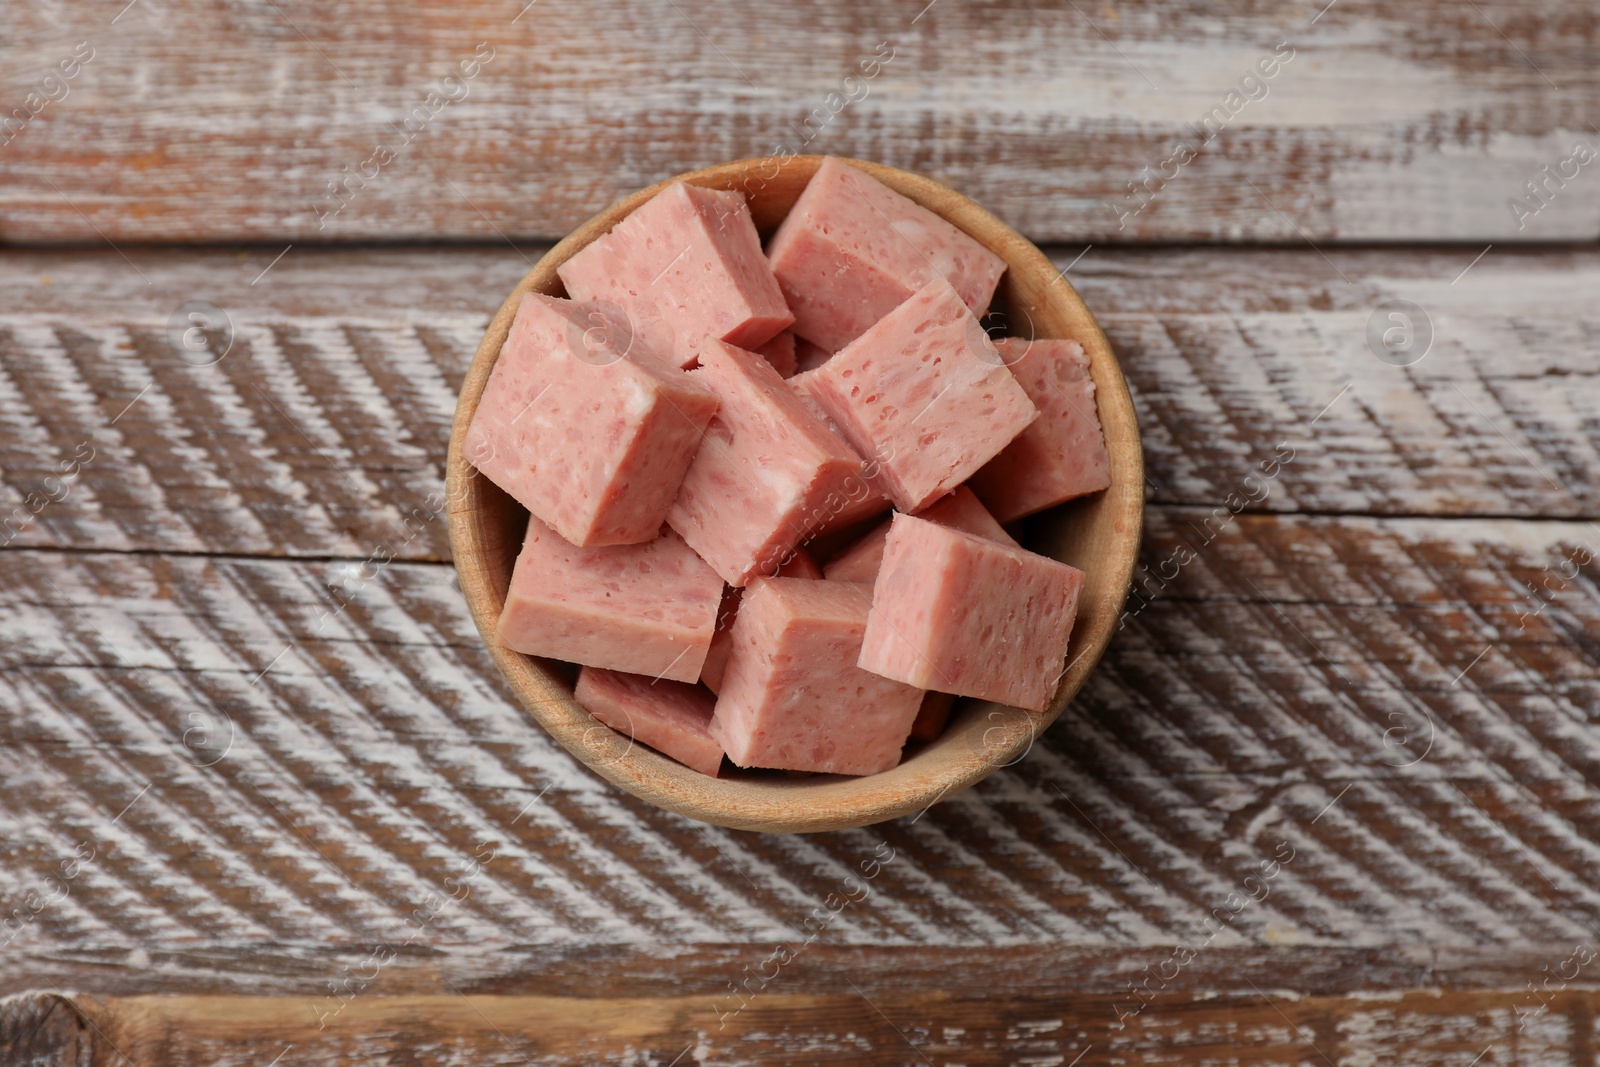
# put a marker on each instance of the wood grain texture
(316, 780)
(323, 429)
(231, 121)
(373, 815)
(1423, 1029)
(242, 749)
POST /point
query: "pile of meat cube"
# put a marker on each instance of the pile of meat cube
(766, 488)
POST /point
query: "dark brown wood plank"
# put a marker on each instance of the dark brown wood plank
(1376, 123)
(1048, 969)
(322, 431)
(888, 1029)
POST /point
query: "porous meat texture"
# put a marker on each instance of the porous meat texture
(1062, 454)
(646, 609)
(860, 498)
(793, 697)
(924, 392)
(581, 428)
(685, 266)
(670, 717)
(851, 250)
(966, 615)
(757, 488)
(960, 510)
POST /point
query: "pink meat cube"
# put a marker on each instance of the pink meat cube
(685, 266)
(646, 609)
(763, 471)
(800, 565)
(792, 696)
(780, 353)
(670, 717)
(959, 511)
(1062, 454)
(592, 441)
(863, 497)
(970, 616)
(808, 356)
(852, 250)
(924, 391)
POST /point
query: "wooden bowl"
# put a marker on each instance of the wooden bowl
(1099, 534)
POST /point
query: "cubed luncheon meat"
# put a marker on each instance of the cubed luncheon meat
(687, 265)
(966, 615)
(799, 565)
(588, 435)
(924, 391)
(851, 250)
(960, 510)
(792, 696)
(1062, 453)
(861, 498)
(780, 353)
(754, 490)
(646, 609)
(670, 717)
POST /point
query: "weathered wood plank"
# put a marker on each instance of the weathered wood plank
(322, 431)
(1264, 1028)
(1072, 123)
(309, 972)
(231, 759)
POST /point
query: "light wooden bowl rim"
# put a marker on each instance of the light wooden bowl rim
(985, 738)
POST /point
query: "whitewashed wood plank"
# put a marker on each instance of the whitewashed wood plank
(322, 431)
(1433, 797)
(1071, 123)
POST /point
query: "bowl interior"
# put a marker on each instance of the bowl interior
(1098, 534)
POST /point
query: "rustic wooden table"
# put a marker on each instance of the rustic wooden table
(1330, 798)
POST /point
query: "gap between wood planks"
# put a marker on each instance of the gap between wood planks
(1199, 509)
